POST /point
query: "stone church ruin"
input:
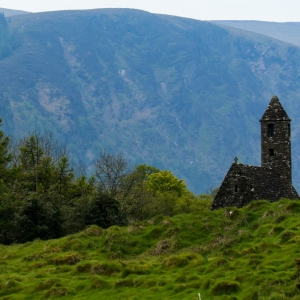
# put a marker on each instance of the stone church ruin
(271, 181)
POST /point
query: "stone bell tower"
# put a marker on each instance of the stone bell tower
(276, 140)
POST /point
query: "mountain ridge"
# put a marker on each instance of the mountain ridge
(176, 93)
(12, 12)
(284, 31)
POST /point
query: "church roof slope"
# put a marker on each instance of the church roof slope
(275, 111)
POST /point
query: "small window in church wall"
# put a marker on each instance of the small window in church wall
(271, 152)
(270, 129)
(236, 188)
(289, 130)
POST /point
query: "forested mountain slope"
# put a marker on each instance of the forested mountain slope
(179, 94)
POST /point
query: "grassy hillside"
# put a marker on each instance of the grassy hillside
(170, 92)
(246, 253)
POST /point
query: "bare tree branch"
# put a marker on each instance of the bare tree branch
(111, 170)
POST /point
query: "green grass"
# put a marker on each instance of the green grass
(248, 254)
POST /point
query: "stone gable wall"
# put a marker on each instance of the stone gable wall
(237, 189)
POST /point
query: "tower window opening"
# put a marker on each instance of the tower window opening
(236, 188)
(289, 130)
(270, 129)
(271, 152)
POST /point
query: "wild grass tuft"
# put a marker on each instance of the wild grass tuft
(225, 287)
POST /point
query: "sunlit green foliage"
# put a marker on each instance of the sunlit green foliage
(148, 192)
(165, 182)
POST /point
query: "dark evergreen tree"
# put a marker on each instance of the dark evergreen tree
(105, 211)
(5, 157)
(38, 219)
(7, 225)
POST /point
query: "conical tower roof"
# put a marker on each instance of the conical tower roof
(275, 111)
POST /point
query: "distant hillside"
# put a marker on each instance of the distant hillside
(176, 93)
(287, 32)
(12, 12)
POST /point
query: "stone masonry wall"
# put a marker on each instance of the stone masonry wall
(281, 145)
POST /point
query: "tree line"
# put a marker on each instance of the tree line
(43, 196)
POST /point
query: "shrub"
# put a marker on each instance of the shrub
(38, 219)
(105, 212)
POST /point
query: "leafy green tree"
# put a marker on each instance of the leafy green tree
(81, 194)
(166, 182)
(136, 179)
(153, 192)
(136, 198)
(31, 155)
(64, 175)
(42, 164)
(44, 199)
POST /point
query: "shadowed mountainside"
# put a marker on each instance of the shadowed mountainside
(175, 93)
